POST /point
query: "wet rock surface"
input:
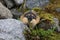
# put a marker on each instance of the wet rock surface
(11, 29)
(5, 12)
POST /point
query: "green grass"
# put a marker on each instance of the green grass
(41, 34)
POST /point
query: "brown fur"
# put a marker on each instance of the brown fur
(33, 22)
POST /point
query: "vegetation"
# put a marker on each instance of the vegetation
(40, 34)
(48, 14)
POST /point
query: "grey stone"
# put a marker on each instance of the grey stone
(9, 3)
(11, 29)
(36, 3)
(56, 24)
(18, 2)
(56, 21)
(13, 3)
(47, 25)
(5, 12)
(1, 0)
(58, 9)
(16, 13)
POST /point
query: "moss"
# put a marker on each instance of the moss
(47, 16)
(38, 10)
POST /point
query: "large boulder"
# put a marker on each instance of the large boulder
(36, 3)
(5, 12)
(11, 29)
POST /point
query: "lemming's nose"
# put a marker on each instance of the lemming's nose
(30, 18)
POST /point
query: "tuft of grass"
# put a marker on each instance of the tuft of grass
(39, 34)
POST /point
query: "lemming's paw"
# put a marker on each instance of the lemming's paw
(33, 22)
(24, 19)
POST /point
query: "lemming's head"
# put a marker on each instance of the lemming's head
(30, 15)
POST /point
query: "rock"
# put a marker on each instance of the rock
(13, 3)
(36, 3)
(16, 13)
(1, 0)
(47, 25)
(56, 24)
(58, 9)
(5, 12)
(11, 29)
(18, 2)
(56, 21)
(9, 3)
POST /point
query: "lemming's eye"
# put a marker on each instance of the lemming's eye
(26, 15)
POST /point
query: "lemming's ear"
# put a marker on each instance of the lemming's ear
(34, 12)
(24, 19)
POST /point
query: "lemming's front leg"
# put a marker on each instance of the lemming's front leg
(35, 21)
(24, 20)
